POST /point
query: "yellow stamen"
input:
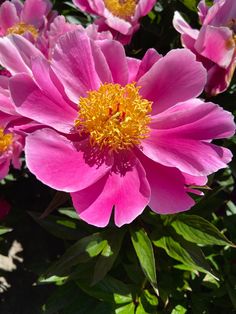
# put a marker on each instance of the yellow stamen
(122, 8)
(5, 140)
(21, 28)
(115, 117)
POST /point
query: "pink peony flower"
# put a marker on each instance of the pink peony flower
(121, 17)
(11, 146)
(31, 20)
(18, 18)
(214, 45)
(122, 133)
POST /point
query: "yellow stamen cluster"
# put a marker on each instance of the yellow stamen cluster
(122, 8)
(5, 140)
(115, 117)
(21, 28)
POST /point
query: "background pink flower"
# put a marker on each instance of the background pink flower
(157, 138)
(214, 45)
(119, 17)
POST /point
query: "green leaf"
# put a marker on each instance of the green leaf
(4, 230)
(69, 299)
(82, 251)
(179, 309)
(109, 289)
(190, 4)
(196, 229)
(126, 309)
(108, 254)
(147, 303)
(187, 253)
(58, 226)
(70, 212)
(144, 250)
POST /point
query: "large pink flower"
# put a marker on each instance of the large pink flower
(122, 133)
(214, 45)
(120, 17)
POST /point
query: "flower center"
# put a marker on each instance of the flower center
(5, 140)
(115, 117)
(121, 8)
(21, 28)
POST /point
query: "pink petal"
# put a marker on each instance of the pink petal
(202, 10)
(4, 166)
(183, 27)
(117, 62)
(117, 23)
(8, 16)
(59, 164)
(174, 78)
(33, 103)
(218, 79)
(49, 83)
(125, 189)
(168, 193)
(149, 59)
(84, 6)
(216, 44)
(221, 13)
(16, 53)
(194, 157)
(144, 7)
(133, 68)
(196, 120)
(34, 11)
(74, 64)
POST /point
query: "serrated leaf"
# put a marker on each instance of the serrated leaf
(144, 250)
(82, 251)
(187, 253)
(198, 230)
(108, 255)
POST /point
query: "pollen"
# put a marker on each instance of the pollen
(5, 140)
(21, 28)
(122, 8)
(114, 117)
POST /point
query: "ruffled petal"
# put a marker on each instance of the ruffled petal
(75, 64)
(33, 103)
(174, 78)
(125, 189)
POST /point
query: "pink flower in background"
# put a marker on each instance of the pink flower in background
(60, 27)
(30, 19)
(121, 17)
(215, 43)
(122, 133)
